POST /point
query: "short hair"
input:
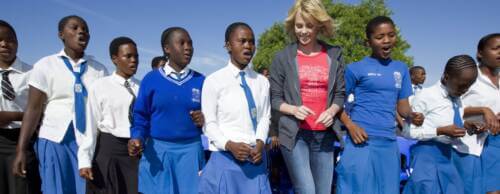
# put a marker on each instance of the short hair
(65, 20)
(314, 9)
(483, 41)
(376, 21)
(117, 42)
(8, 26)
(156, 61)
(166, 36)
(230, 29)
(458, 63)
(414, 69)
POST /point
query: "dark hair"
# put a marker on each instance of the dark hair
(8, 26)
(230, 29)
(166, 36)
(117, 42)
(65, 20)
(458, 63)
(415, 68)
(376, 21)
(156, 61)
(484, 40)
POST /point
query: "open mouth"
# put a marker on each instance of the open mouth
(248, 54)
(82, 41)
(387, 49)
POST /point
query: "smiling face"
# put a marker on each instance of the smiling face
(75, 35)
(382, 40)
(490, 54)
(241, 46)
(306, 29)
(179, 49)
(8, 45)
(126, 60)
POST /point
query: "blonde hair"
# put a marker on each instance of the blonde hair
(312, 9)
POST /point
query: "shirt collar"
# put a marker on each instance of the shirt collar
(62, 53)
(483, 78)
(235, 71)
(17, 66)
(168, 69)
(121, 80)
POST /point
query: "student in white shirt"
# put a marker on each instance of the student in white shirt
(109, 108)
(235, 102)
(433, 169)
(417, 74)
(482, 103)
(58, 90)
(13, 99)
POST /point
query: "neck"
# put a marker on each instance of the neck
(177, 68)
(74, 55)
(6, 64)
(491, 73)
(125, 76)
(310, 48)
(239, 66)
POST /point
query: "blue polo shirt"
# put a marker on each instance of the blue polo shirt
(377, 86)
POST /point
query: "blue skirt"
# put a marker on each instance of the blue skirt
(490, 160)
(372, 167)
(433, 171)
(470, 170)
(170, 167)
(58, 165)
(225, 175)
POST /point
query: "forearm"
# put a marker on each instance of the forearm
(471, 111)
(346, 120)
(30, 122)
(8, 116)
(287, 109)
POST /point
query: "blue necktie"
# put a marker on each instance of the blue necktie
(251, 103)
(80, 94)
(457, 119)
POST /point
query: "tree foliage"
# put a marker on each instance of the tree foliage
(350, 23)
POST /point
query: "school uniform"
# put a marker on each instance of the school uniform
(374, 166)
(173, 153)
(431, 158)
(64, 82)
(483, 93)
(236, 108)
(13, 98)
(104, 145)
(416, 88)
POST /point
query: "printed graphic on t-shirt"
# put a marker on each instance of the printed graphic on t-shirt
(398, 79)
(314, 80)
(196, 95)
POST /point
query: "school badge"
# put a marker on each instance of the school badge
(195, 95)
(254, 113)
(78, 88)
(397, 79)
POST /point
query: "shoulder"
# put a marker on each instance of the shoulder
(100, 83)
(93, 63)
(400, 65)
(197, 74)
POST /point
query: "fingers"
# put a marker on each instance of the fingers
(134, 147)
(302, 112)
(459, 132)
(197, 117)
(19, 167)
(86, 173)
(326, 118)
(358, 135)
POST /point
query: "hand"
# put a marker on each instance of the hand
(358, 134)
(491, 120)
(19, 164)
(474, 127)
(417, 118)
(134, 147)
(451, 131)
(197, 117)
(256, 152)
(86, 173)
(275, 142)
(325, 118)
(301, 112)
(240, 151)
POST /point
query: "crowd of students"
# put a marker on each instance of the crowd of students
(67, 125)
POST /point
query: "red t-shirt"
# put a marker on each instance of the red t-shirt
(313, 78)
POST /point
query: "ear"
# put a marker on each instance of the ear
(367, 43)
(479, 55)
(166, 49)
(228, 47)
(114, 59)
(60, 35)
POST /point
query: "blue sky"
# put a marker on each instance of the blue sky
(436, 29)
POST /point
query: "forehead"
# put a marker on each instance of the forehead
(383, 28)
(180, 34)
(493, 41)
(5, 31)
(241, 31)
(127, 47)
(75, 21)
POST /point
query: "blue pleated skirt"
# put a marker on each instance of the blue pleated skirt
(490, 161)
(432, 170)
(470, 170)
(223, 174)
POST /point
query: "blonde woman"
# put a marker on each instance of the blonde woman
(307, 87)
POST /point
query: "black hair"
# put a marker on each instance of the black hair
(415, 68)
(156, 61)
(117, 42)
(458, 63)
(484, 40)
(230, 29)
(8, 26)
(376, 21)
(65, 20)
(166, 36)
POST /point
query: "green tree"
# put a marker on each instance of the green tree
(350, 23)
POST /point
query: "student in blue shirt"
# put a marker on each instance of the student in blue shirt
(433, 169)
(168, 120)
(370, 160)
